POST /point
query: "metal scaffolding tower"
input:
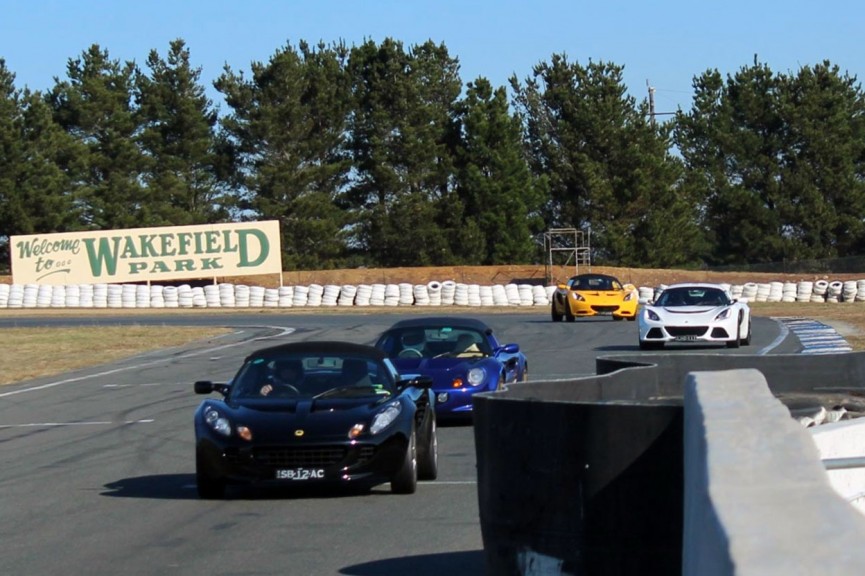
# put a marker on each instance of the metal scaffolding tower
(565, 247)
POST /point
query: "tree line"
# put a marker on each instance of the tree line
(378, 155)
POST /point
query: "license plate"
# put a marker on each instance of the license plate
(300, 474)
(686, 338)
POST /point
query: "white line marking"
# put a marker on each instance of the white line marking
(777, 341)
(58, 424)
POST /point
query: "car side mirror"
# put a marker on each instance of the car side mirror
(203, 387)
(511, 348)
(207, 387)
(416, 381)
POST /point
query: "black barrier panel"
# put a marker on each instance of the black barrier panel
(783, 372)
(586, 476)
(594, 488)
(796, 380)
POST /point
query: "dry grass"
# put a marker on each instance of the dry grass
(34, 352)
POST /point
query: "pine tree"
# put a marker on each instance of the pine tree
(402, 108)
(178, 137)
(286, 136)
(500, 198)
(95, 106)
(34, 192)
(609, 169)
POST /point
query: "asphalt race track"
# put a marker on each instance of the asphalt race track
(97, 467)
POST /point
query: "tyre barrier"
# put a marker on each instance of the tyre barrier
(434, 293)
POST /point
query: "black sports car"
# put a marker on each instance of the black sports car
(313, 413)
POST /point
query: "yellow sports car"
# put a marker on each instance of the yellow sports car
(594, 295)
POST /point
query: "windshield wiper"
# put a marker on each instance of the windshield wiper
(348, 391)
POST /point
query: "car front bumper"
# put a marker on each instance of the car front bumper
(716, 332)
(301, 463)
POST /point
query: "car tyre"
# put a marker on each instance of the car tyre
(736, 342)
(746, 341)
(405, 479)
(569, 315)
(554, 314)
(209, 487)
(427, 463)
(501, 383)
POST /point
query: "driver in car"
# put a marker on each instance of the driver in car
(286, 376)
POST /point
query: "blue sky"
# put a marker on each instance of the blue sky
(664, 44)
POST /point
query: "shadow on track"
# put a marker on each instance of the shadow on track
(452, 563)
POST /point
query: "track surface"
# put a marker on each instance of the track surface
(97, 467)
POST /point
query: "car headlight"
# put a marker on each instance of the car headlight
(217, 422)
(650, 314)
(725, 313)
(385, 417)
(577, 296)
(475, 377)
(630, 296)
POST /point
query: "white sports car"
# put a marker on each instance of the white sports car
(695, 312)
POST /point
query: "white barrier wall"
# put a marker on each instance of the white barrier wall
(758, 501)
(839, 440)
(434, 293)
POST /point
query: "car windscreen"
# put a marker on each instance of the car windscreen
(434, 342)
(594, 283)
(313, 375)
(692, 296)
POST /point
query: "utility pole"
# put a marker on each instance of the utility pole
(651, 102)
(652, 112)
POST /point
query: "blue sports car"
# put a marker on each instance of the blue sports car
(461, 355)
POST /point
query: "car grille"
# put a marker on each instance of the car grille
(719, 333)
(677, 331)
(605, 309)
(321, 456)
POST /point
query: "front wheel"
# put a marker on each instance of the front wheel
(427, 462)
(555, 314)
(209, 487)
(746, 341)
(405, 480)
(736, 342)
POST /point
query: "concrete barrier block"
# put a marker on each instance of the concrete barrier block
(756, 494)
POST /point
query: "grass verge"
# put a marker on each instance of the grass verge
(27, 353)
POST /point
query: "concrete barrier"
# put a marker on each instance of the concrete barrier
(757, 498)
(587, 476)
